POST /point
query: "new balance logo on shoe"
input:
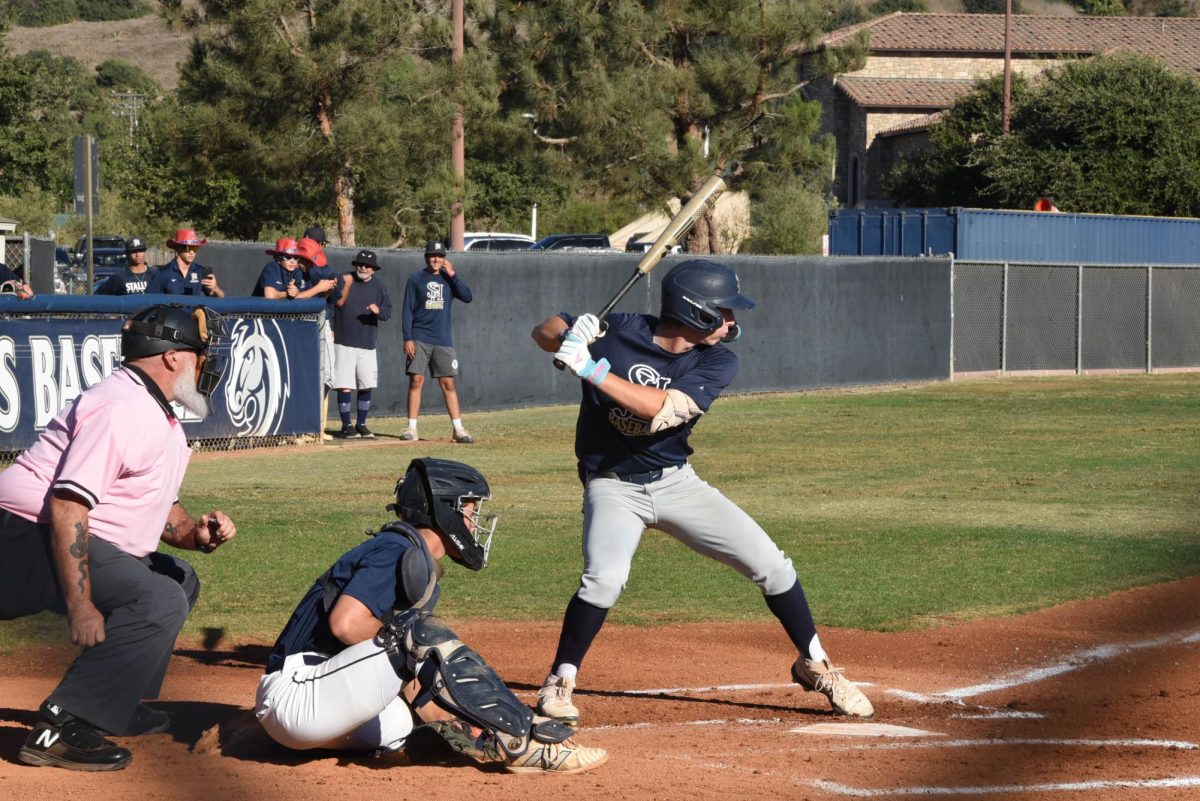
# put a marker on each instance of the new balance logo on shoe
(46, 738)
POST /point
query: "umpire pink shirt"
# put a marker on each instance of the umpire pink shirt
(118, 448)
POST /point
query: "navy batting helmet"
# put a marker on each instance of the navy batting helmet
(695, 291)
(432, 493)
(158, 329)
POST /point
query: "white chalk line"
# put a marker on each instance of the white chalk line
(1049, 787)
(669, 724)
(1080, 659)
(1029, 741)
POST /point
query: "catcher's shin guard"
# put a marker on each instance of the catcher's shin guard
(453, 675)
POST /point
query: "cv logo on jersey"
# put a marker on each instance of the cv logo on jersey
(257, 381)
(625, 421)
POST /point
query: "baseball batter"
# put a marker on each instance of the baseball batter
(363, 654)
(646, 382)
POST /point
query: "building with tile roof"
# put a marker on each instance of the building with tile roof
(918, 64)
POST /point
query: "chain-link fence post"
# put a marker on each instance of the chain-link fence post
(1079, 320)
(1004, 320)
(1149, 318)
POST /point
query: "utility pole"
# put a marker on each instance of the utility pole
(458, 153)
(1007, 62)
(128, 105)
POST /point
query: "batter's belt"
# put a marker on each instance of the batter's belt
(646, 477)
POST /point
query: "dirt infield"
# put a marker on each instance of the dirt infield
(1096, 699)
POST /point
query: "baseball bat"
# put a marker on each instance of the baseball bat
(680, 224)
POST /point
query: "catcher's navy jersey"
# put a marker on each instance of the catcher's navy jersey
(367, 572)
(608, 438)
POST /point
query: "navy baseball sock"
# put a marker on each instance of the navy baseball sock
(791, 608)
(364, 405)
(344, 407)
(581, 624)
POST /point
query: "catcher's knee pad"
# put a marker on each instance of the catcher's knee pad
(455, 677)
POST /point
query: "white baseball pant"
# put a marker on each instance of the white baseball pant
(350, 701)
(682, 505)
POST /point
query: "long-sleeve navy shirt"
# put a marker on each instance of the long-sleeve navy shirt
(353, 325)
(427, 301)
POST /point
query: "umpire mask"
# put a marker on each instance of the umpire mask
(158, 329)
(434, 493)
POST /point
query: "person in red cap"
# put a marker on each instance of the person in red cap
(323, 282)
(182, 275)
(285, 276)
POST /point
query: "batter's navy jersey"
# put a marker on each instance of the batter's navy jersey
(609, 438)
(273, 275)
(126, 282)
(366, 572)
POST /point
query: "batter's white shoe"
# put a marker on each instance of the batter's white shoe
(565, 757)
(823, 678)
(554, 700)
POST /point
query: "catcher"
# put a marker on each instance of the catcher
(363, 656)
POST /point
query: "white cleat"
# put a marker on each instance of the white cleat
(823, 678)
(554, 700)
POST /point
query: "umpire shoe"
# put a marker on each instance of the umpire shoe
(822, 677)
(147, 721)
(75, 745)
(554, 700)
(566, 757)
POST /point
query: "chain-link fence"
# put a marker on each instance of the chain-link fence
(1079, 318)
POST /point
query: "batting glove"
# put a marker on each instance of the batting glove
(574, 354)
(587, 328)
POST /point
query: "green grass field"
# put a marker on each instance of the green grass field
(901, 507)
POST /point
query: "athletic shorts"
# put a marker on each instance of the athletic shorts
(354, 368)
(437, 360)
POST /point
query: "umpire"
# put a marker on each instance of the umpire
(81, 516)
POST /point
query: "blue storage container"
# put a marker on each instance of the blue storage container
(1023, 236)
(892, 232)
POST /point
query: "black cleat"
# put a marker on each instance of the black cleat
(75, 746)
(148, 721)
(347, 433)
(364, 432)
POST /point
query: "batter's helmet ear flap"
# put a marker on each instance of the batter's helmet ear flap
(434, 494)
(695, 292)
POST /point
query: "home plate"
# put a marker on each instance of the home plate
(863, 730)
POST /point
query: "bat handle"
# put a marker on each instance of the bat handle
(561, 365)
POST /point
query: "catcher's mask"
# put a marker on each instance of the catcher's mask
(158, 329)
(433, 493)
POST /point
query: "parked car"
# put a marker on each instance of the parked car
(582, 241)
(645, 244)
(482, 240)
(108, 252)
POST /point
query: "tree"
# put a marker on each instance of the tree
(318, 106)
(1112, 134)
(633, 92)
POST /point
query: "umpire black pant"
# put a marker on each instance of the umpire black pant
(144, 602)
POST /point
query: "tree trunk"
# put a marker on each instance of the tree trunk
(704, 239)
(343, 192)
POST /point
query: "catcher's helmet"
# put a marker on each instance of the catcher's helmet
(158, 329)
(695, 291)
(431, 494)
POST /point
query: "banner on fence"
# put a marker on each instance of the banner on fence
(271, 385)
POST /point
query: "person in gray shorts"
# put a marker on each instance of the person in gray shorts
(428, 347)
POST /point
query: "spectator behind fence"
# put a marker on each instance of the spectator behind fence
(12, 284)
(363, 305)
(182, 275)
(284, 277)
(428, 348)
(136, 276)
(323, 281)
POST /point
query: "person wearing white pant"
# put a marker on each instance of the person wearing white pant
(363, 658)
(646, 382)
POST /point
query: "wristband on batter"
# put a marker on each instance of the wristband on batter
(596, 372)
